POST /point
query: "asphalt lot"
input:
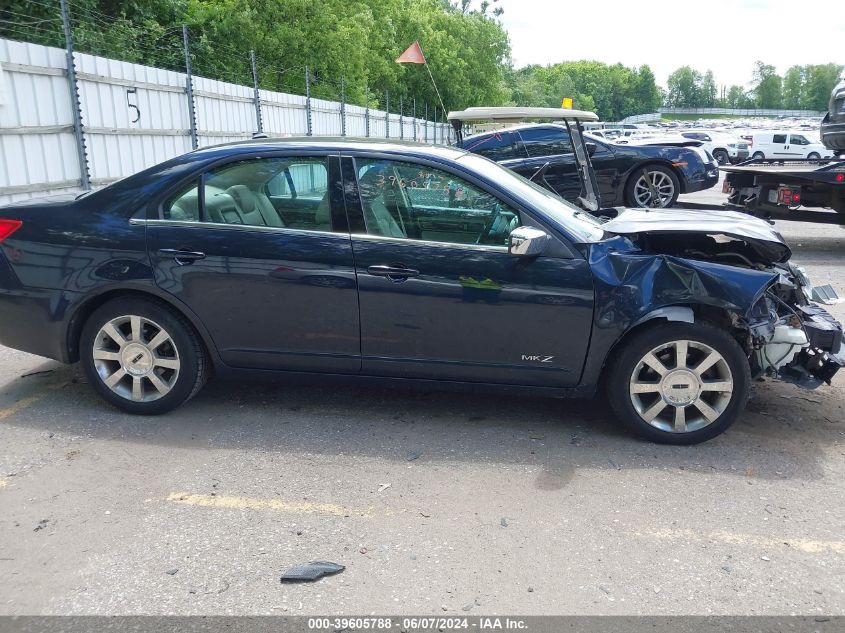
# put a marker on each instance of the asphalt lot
(435, 502)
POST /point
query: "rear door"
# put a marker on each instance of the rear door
(780, 146)
(441, 297)
(271, 277)
(552, 145)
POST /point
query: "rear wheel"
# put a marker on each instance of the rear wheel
(678, 383)
(758, 156)
(142, 357)
(640, 192)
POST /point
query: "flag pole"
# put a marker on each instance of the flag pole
(433, 83)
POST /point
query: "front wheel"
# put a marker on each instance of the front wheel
(651, 180)
(678, 383)
(142, 357)
(721, 157)
(814, 156)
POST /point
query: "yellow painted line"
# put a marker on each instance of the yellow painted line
(279, 505)
(19, 406)
(804, 545)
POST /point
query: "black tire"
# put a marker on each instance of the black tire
(630, 187)
(182, 346)
(721, 157)
(814, 156)
(758, 156)
(629, 357)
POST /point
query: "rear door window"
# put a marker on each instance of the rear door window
(496, 146)
(546, 141)
(779, 138)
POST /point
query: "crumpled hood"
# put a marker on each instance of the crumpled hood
(757, 233)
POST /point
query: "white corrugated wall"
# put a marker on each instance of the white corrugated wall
(136, 116)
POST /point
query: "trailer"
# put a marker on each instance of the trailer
(784, 189)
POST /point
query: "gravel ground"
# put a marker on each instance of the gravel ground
(436, 503)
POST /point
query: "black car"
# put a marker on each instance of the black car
(622, 171)
(833, 124)
(404, 263)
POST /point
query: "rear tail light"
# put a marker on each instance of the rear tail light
(789, 196)
(7, 227)
(840, 177)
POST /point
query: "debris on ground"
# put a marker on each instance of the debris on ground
(813, 400)
(383, 487)
(41, 525)
(503, 522)
(171, 572)
(313, 570)
(45, 372)
(412, 455)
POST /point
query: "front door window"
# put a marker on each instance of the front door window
(405, 200)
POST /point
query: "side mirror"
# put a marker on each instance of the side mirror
(591, 147)
(527, 241)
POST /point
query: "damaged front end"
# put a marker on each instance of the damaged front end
(792, 338)
(740, 265)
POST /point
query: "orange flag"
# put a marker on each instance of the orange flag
(413, 55)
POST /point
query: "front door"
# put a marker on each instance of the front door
(259, 249)
(441, 297)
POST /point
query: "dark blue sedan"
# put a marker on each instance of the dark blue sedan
(385, 261)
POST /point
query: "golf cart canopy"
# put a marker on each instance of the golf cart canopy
(517, 115)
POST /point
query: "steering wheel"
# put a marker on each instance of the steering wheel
(488, 227)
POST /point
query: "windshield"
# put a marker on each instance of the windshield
(583, 226)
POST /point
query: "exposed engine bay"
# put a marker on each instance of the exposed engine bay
(784, 332)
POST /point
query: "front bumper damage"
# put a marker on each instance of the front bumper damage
(800, 344)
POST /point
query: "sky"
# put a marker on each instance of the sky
(726, 36)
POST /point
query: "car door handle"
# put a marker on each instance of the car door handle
(394, 273)
(182, 257)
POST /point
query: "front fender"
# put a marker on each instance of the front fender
(632, 286)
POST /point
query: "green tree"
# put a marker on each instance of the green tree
(738, 98)
(707, 91)
(768, 86)
(793, 87)
(684, 88)
(820, 80)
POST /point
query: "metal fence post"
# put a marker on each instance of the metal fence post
(367, 111)
(189, 88)
(401, 117)
(425, 128)
(435, 125)
(342, 106)
(308, 100)
(415, 118)
(75, 103)
(258, 120)
(386, 114)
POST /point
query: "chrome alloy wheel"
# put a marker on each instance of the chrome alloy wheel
(136, 358)
(661, 182)
(681, 386)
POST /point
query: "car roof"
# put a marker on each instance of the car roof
(519, 114)
(335, 143)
